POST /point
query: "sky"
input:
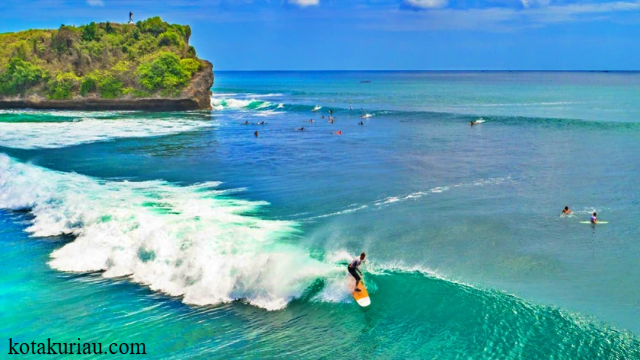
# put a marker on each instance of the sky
(375, 34)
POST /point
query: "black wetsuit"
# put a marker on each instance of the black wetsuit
(353, 266)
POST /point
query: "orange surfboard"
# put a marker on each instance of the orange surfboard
(362, 296)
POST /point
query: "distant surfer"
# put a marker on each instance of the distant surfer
(566, 210)
(301, 129)
(330, 112)
(353, 269)
(246, 122)
(360, 123)
(339, 132)
(472, 123)
(594, 218)
(261, 123)
(255, 133)
(311, 120)
(350, 107)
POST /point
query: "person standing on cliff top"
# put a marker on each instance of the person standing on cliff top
(130, 17)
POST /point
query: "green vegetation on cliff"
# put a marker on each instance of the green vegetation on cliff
(98, 60)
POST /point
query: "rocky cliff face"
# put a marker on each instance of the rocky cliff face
(196, 96)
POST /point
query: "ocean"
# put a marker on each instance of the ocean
(186, 232)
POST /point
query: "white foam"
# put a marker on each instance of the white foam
(34, 135)
(414, 196)
(64, 113)
(181, 240)
(222, 103)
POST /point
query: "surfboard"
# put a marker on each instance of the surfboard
(589, 222)
(361, 297)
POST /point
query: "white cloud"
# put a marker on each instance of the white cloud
(426, 4)
(500, 19)
(95, 2)
(304, 3)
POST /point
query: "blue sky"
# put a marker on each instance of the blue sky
(376, 34)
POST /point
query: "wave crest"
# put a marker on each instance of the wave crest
(186, 241)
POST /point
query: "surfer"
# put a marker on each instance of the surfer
(472, 123)
(255, 133)
(261, 123)
(594, 218)
(301, 129)
(330, 112)
(566, 210)
(353, 269)
(360, 123)
(311, 120)
(339, 132)
(246, 122)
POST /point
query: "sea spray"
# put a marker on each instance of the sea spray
(188, 241)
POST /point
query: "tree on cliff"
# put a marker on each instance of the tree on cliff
(105, 60)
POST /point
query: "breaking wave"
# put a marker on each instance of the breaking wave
(187, 241)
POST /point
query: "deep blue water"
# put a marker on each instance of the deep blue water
(187, 232)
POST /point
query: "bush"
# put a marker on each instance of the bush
(153, 25)
(191, 52)
(165, 72)
(169, 38)
(63, 39)
(19, 76)
(89, 32)
(89, 85)
(191, 65)
(110, 87)
(63, 86)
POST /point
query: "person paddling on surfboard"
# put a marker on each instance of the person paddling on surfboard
(594, 218)
(566, 210)
(353, 269)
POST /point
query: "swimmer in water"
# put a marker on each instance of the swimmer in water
(360, 123)
(566, 210)
(301, 129)
(311, 120)
(255, 133)
(594, 218)
(339, 132)
(246, 123)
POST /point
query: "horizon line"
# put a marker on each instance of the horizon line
(426, 70)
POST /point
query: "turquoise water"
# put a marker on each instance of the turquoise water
(188, 233)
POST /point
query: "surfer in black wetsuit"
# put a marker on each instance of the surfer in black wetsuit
(353, 269)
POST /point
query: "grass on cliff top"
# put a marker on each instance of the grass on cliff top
(98, 60)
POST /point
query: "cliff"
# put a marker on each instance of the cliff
(144, 66)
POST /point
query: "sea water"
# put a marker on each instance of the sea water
(187, 232)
